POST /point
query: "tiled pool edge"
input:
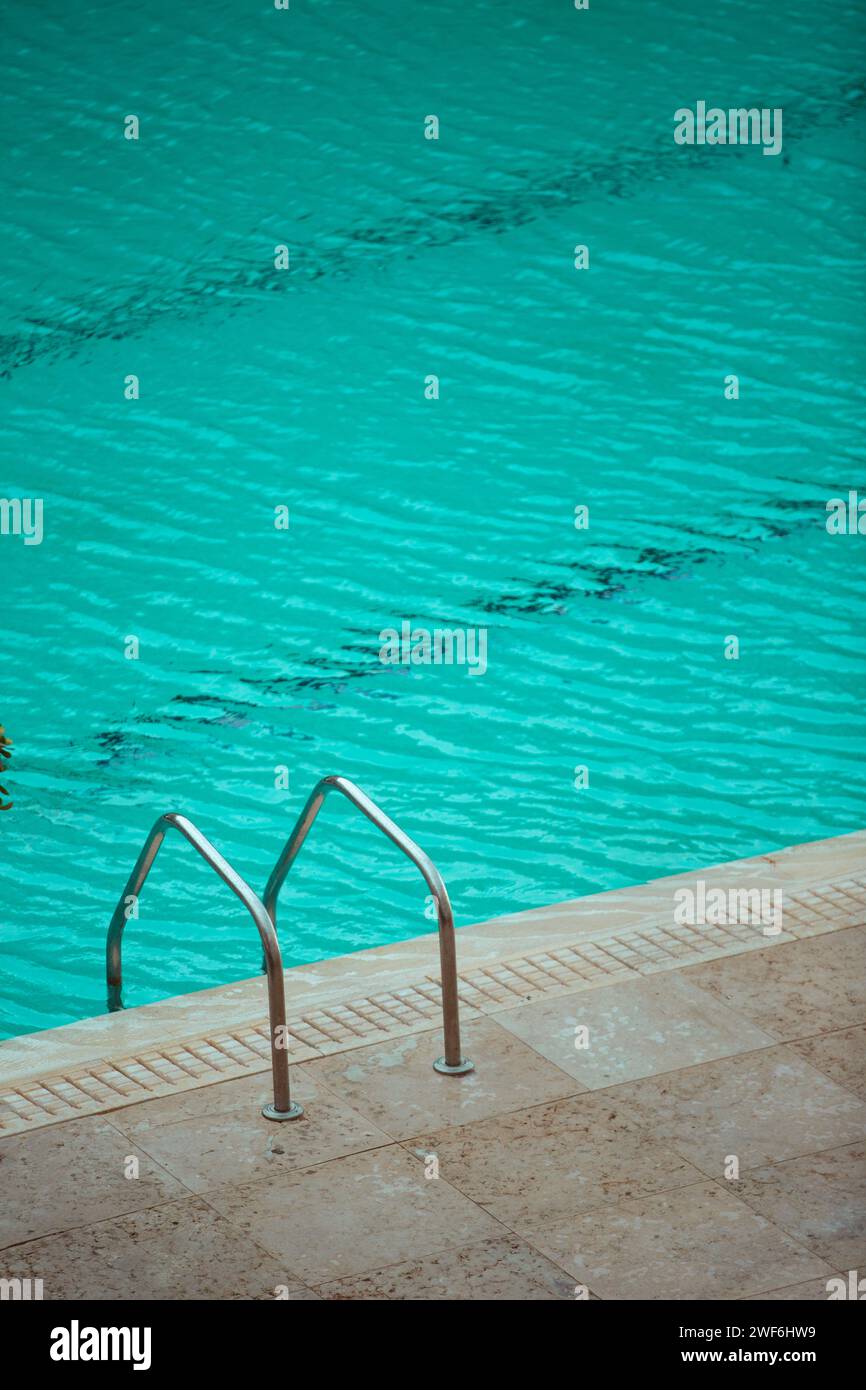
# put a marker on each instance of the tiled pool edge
(112, 1061)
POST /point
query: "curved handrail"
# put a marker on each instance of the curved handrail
(282, 1107)
(453, 1062)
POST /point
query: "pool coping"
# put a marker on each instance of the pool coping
(191, 1040)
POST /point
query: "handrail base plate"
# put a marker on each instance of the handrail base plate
(271, 1112)
(461, 1068)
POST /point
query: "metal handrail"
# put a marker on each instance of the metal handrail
(453, 1063)
(281, 1107)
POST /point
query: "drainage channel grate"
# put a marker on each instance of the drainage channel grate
(652, 946)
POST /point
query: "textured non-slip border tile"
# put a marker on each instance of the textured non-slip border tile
(653, 945)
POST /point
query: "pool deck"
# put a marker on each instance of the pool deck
(555, 1170)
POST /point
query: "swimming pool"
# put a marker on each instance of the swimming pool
(259, 647)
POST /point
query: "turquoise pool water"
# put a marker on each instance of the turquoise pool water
(305, 388)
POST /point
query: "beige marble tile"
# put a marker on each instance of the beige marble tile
(635, 1028)
(841, 1056)
(181, 1250)
(395, 1084)
(795, 989)
(763, 1107)
(820, 860)
(820, 1200)
(544, 1163)
(355, 1214)
(506, 1269)
(73, 1174)
(694, 1242)
(243, 1093)
(810, 1291)
(217, 1136)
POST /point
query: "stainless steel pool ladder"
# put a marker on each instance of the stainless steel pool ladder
(453, 1063)
(281, 1108)
(264, 915)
